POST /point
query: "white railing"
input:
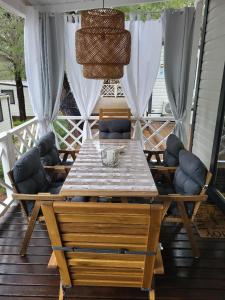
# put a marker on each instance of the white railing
(112, 90)
(69, 133)
(155, 130)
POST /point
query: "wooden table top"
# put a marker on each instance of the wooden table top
(88, 176)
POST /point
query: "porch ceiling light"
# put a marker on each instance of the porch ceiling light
(103, 46)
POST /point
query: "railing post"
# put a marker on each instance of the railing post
(7, 157)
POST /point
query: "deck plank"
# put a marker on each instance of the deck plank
(184, 279)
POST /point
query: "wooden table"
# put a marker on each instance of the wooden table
(88, 177)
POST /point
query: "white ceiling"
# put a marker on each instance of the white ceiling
(18, 6)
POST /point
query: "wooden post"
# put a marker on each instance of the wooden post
(7, 157)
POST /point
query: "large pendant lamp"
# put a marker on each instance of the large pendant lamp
(102, 44)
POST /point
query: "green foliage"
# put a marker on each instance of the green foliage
(157, 8)
(11, 45)
(17, 122)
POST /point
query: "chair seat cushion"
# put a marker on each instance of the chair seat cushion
(29, 174)
(54, 188)
(79, 199)
(191, 174)
(114, 129)
(165, 188)
(48, 151)
(171, 154)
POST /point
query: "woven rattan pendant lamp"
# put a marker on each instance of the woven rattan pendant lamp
(102, 44)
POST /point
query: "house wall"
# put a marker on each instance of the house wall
(10, 85)
(5, 122)
(210, 81)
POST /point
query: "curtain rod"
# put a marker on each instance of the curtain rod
(126, 13)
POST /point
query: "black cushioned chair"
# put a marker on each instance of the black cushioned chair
(170, 154)
(183, 196)
(32, 184)
(114, 124)
(50, 155)
(114, 129)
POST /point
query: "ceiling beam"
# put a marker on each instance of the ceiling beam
(16, 7)
(90, 4)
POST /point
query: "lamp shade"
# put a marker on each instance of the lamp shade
(102, 44)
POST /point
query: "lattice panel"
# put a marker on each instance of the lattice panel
(108, 90)
(156, 132)
(25, 138)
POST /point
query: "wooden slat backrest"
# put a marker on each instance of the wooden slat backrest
(111, 226)
(115, 113)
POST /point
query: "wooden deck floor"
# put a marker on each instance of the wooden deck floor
(185, 279)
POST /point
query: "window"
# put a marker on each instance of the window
(11, 95)
(1, 113)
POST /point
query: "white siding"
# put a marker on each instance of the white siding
(211, 81)
(10, 85)
(5, 125)
(159, 94)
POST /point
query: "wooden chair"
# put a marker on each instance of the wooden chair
(33, 217)
(104, 244)
(170, 155)
(31, 184)
(115, 114)
(180, 200)
(50, 155)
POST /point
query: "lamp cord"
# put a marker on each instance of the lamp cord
(103, 3)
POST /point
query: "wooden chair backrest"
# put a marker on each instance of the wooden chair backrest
(102, 231)
(115, 114)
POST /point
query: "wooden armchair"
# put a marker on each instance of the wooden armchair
(31, 185)
(186, 196)
(115, 124)
(50, 155)
(104, 244)
(168, 157)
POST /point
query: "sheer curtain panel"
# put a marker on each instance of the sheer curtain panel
(177, 56)
(140, 75)
(85, 91)
(44, 64)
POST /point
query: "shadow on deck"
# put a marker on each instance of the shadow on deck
(185, 278)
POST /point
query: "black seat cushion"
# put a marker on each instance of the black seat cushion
(171, 154)
(189, 179)
(191, 174)
(31, 178)
(48, 151)
(29, 174)
(114, 129)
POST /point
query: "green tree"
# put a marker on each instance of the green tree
(12, 52)
(157, 8)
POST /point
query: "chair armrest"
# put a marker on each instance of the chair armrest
(38, 197)
(66, 153)
(163, 169)
(57, 169)
(61, 151)
(153, 152)
(182, 198)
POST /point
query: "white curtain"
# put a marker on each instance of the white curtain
(140, 75)
(86, 91)
(44, 63)
(179, 26)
